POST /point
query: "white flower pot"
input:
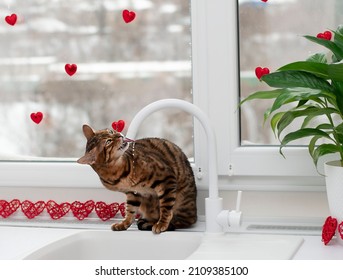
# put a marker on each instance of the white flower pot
(334, 189)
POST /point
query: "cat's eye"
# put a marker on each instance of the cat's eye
(108, 142)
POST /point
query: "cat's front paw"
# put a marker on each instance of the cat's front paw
(160, 227)
(119, 226)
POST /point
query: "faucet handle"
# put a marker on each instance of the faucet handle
(231, 218)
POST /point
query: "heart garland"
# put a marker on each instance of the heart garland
(82, 210)
(32, 210)
(340, 230)
(106, 211)
(118, 126)
(57, 211)
(70, 69)
(11, 19)
(37, 117)
(128, 16)
(122, 209)
(8, 208)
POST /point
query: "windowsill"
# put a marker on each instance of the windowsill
(14, 243)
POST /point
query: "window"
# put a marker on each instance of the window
(121, 67)
(269, 37)
(249, 166)
(215, 86)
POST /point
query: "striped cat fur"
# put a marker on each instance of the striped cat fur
(154, 173)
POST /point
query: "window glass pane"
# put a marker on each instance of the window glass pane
(271, 36)
(121, 67)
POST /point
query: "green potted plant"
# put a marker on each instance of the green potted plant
(306, 91)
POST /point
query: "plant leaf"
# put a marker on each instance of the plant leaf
(302, 133)
(332, 46)
(312, 144)
(335, 72)
(309, 113)
(318, 57)
(269, 94)
(339, 132)
(298, 94)
(338, 39)
(293, 79)
(316, 68)
(318, 112)
(322, 150)
(275, 120)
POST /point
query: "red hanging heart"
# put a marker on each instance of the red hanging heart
(106, 211)
(259, 72)
(82, 210)
(340, 230)
(8, 208)
(327, 35)
(70, 69)
(128, 16)
(57, 211)
(12, 19)
(118, 126)
(37, 117)
(329, 229)
(32, 210)
(264, 0)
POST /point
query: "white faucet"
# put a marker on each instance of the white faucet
(217, 219)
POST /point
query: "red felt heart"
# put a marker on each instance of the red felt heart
(106, 211)
(325, 35)
(82, 210)
(118, 126)
(329, 229)
(32, 210)
(128, 16)
(259, 71)
(37, 117)
(12, 19)
(8, 208)
(264, 0)
(70, 69)
(57, 211)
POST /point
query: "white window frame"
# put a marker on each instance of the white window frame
(215, 91)
(216, 76)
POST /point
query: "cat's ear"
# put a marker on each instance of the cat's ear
(88, 158)
(88, 131)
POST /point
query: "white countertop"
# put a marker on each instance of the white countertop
(17, 241)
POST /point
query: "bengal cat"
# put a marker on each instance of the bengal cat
(154, 173)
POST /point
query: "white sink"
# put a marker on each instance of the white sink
(139, 245)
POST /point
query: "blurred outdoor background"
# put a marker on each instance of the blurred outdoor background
(121, 68)
(271, 35)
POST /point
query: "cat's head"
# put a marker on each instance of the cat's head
(103, 146)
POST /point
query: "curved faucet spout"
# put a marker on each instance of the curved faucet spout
(213, 202)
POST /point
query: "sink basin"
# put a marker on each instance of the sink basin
(140, 245)
(109, 245)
